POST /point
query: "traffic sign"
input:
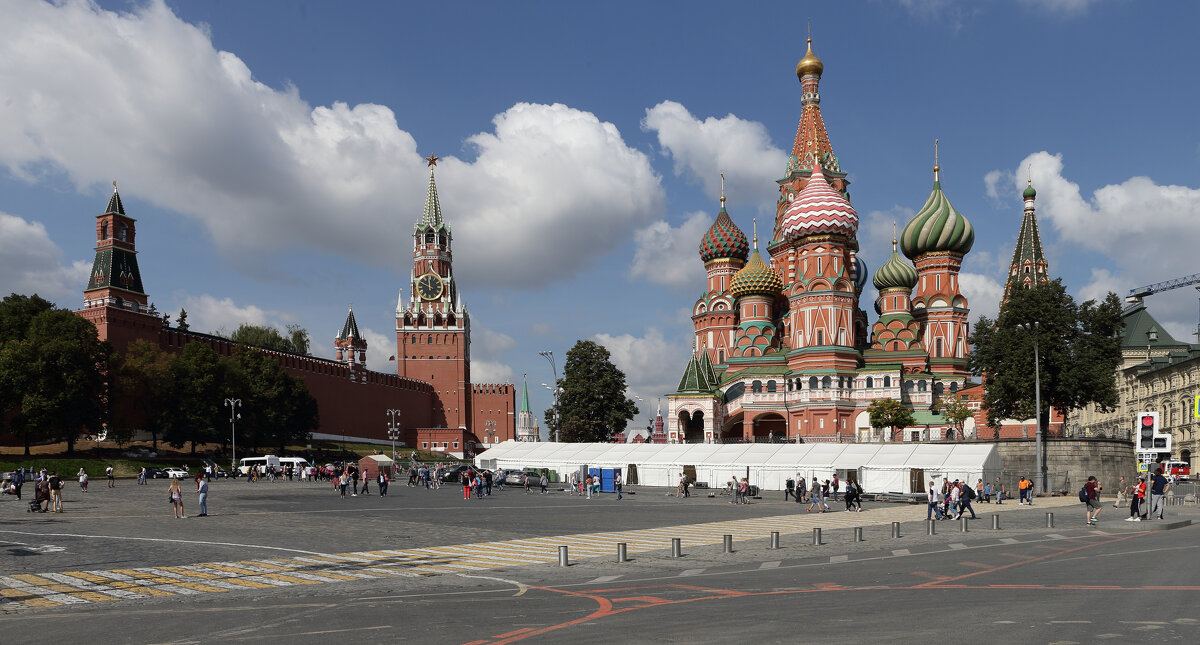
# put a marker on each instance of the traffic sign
(1196, 407)
(1143, 467)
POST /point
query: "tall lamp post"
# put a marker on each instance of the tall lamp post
(233, 405)
(393, 430)
(549, 355)
(1039, 445)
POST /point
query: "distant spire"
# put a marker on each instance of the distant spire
(114, 202)
(893, 236)
(755, 223)
(722, 191)
(524, 393)
(936, 167)
(433, 209)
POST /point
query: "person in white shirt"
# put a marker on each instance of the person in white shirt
(935, 500)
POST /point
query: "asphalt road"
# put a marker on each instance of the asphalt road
(293, 561)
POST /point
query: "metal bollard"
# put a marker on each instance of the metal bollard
(1049, 520)
(728, 543)
(895, 529)
(774, 540)
(622, 552)
(816, 537)
(962, 521)
(858, 534)
(931, 527)
(562, 557)
(676, 548)
(996, 522)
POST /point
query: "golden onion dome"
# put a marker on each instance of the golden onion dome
(810, 64)
(757, 278)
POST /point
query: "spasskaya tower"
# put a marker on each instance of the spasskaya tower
(433, 331)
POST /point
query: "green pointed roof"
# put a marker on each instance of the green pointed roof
(524, 395)
(696, 378)
(1138, 325)
(937, 227)
(431, 217)
(114, 203)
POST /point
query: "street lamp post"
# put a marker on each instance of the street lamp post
(393, 429)
(1039, 446)
(549, 355)
(490, 429)
(233, 405)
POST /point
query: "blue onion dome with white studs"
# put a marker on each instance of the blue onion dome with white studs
(860, 273)
(724, 239)
(937, 227)
(818, 209)
(895, 273)
(757, 278)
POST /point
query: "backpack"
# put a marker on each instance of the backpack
(970, 492)
(1083, 494)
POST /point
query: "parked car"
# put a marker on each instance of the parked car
(517, 477)
(154, 472)
(175, 473)
(454, 473)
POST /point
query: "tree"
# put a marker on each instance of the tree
(296, 341)
(182, 323)
(17, 312)
(1079, 348)
(956, 412)
(592, 405)
(277, 407)
(145, 386)
(56, 379)
(890, 413)
(199, 385)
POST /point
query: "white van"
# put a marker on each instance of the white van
(280, 464)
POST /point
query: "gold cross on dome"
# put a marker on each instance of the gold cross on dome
(432, 160)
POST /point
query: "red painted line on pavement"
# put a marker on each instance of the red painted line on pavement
(1016, 586)
(512, 633)
(1024, 562)
(1019, 556)
(978, 565)
(926, 574)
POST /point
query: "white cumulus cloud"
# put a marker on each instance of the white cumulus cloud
(33, 263)
(208, 314)
(145, 97)
(652, 364)
(703, 149)
(669, 255)
(983, 294)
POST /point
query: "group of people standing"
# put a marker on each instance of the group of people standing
(952, 500)
(817, 492)
(1147, 497)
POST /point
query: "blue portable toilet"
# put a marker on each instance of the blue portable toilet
(607, 478)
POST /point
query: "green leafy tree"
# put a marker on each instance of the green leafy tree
(146, 395)
(17, 312)
(956, 412)
(277, 407)
(1079, 348)
(295, 342)
(200, 378)
(55, 376)
(592, 405)
(890, 413)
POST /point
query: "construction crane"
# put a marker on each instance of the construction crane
(1135, 295)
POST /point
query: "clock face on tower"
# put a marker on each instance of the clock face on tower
(429, 286)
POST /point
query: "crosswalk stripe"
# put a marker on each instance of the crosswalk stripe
(91, 587)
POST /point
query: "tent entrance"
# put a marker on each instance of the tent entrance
(916, 480)
(631, 475)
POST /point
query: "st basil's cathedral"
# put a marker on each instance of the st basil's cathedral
(782, 349)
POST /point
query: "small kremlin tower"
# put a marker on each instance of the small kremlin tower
(350, 346)
(526, 424)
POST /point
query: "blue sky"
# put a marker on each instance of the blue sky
(271, 152)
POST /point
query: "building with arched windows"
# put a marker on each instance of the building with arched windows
(782, 349)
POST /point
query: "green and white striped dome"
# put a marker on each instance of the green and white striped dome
(896, 272)
(937, 228)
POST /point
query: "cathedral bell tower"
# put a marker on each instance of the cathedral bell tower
(433, 331)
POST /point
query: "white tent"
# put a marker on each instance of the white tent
(889, 467)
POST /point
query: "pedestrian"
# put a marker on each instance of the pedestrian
(588, 484)
(526, 482)
(18, 482)
(343, 482)
(1122, 492)
(979, 490)
(834, 487)
(366, 478)
(998, 488)
(817, 500)
(202, 491)
(487, 483)
(353, 479)
(966, 494)
(466, 484)
(545, 481)
(1091, 495)
(55, 485)
(175, 497)
(987, 492)
(41, 495)
(801, 493)
(856, 488)
(83, 480)
(934, 498)
(953, 501)
(382, 481)
(1158, 493)
(1025, 489)
(141, 478)
(108, 472)
(789, 489)
(617, 484)
(744, 491)
(1137, 500)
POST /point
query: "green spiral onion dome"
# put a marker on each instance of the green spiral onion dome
(937, 228)
(896, 272)
(756, 279)
(724, 240)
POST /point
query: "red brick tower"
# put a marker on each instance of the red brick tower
(723, 250)
(433, 332)
(352, 347)
(114, 300)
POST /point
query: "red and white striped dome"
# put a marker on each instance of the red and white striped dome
(818, 209)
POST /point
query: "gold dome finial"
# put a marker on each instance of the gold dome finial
(755, 224)
(893, 236)
(114, 185)
(722, 191)
(936, 167)
(810, 64)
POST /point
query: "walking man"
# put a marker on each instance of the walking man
(109, 473)
(834, 486)
(617, 484)
(800, 488)
(1092, 492)
(1122, 492)
(789, 489)
(934, 502)
(1158, 493)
